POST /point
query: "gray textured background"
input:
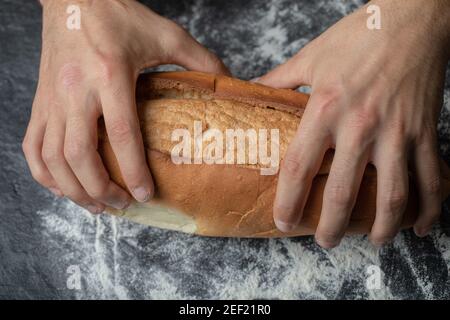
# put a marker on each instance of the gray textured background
(41, 237)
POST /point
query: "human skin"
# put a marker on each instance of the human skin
(92, 72)
(375, 98)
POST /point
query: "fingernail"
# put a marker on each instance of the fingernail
(283, 226)
(119, 204)
(381, 243)
(56, 192)
(327, 243)
(94, 209)
(255, 79)
(141, 194)
(422, 232)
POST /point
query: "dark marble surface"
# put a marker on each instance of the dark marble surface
(44, 240)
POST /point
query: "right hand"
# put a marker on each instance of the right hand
(92, 72)
(375, 98)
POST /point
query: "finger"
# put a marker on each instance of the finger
(301, 163)
(392, 193)
(193, 56)
(427, 175)
(52, 152)
(290, 75)
(32, 149)
(80, 150)
(122, 125)
(341, 189)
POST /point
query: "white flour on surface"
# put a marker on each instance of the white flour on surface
(115, 265)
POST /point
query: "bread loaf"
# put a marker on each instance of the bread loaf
(220, 193)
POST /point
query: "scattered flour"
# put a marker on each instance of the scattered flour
(122, 260)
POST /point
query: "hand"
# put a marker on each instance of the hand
(376, 97)
(92, 72)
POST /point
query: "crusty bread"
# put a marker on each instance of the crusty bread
(230, 200)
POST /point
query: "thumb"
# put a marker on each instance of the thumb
(193, 56)
(289, 75)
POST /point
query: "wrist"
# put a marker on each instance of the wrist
(446, 12)
(428, 21)
(45, 3)
(442, 10)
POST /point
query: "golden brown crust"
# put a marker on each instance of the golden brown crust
(221, 87)
(150, 85)
(230, 200)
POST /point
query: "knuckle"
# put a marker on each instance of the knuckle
(38, 106)
(363, 119)
(286, 213)
(395, 201)
(70, 75)
(55, 105)
(174, 41)
(396, 127)
(120, 131)
(99, 191)
(177, 31)
(108, 65)
(328, 98)
(339, 195)
(39, 175)
(397, 137)
(426, 132)
(26, 145)
(37, 98)
(432, 187)
(361, 126)
(357, 140)
(75, 149)
(292, 166)
(51, 155)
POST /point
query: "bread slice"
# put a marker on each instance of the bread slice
(212, 196)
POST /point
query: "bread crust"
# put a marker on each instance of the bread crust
(229, 200)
